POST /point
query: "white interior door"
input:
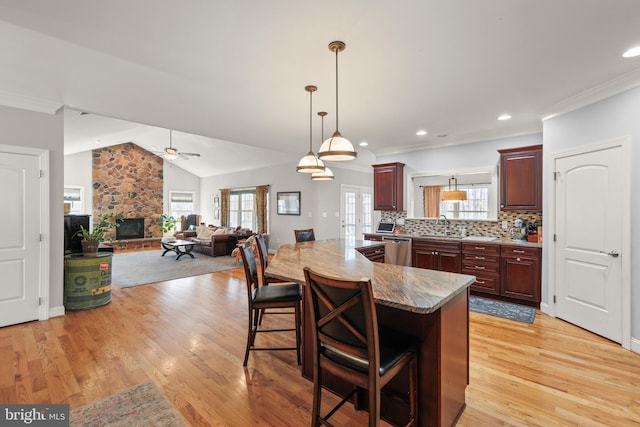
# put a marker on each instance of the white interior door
(590, 223)
(20, 243)
(356, 211)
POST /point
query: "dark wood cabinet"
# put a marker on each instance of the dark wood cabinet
(520, 272)
(373, 253)
(388, 190)
(375, 237)
(521, 179)
(436, 255)
(483, 261)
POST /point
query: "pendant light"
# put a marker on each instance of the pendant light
(326, 174)
(310, 163)
(453, 195)
(337, 148)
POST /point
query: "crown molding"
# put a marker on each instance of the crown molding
(24, 102)
(597, 93)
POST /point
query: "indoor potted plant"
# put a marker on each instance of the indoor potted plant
(92, 239)
(168, 224)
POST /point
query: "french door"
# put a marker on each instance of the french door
(356, 211)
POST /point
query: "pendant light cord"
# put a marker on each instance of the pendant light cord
(310, 120)
(337, 115)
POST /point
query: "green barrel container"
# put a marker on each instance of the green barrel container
(87, 281)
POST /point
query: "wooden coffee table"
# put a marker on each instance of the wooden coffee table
(180, 247)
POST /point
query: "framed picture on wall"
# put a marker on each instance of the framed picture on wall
(288, 203)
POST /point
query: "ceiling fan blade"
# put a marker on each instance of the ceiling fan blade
(190, 154)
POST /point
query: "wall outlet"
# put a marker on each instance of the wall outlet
(310, 214)
(505, 224)
(324, 214)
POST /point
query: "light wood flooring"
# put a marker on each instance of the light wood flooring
(188, 336)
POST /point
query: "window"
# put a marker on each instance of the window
(475, 207)
(74, 195)
(242, 209)
(180, 203)
(481, 185)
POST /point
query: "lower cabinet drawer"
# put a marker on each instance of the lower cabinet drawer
(482, 269)
(489, 284)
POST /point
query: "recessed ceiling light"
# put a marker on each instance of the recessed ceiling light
(98, 141)
(634, 51)
(504, 117)
(421, 132)
(363, 144)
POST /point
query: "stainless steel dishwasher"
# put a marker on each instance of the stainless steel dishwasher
(397, 250)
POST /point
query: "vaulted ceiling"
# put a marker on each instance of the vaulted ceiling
(231, 75)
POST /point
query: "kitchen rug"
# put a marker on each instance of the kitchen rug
(506, 310)
(140, 406)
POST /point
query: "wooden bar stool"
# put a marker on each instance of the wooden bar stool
(347, 344)
(262, 297)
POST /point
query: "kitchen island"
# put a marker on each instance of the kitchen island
(430, 306)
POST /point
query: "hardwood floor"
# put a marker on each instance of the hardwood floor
(188, 336)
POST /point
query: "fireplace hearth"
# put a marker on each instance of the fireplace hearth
(130, 228)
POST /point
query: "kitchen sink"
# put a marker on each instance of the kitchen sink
(481, 238)
(442, 236)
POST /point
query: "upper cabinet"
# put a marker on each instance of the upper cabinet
(521, 179)
(387, 187)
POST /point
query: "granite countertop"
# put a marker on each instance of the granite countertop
(407, 288)
(476, 239)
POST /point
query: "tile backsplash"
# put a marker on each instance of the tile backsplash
(474, 228)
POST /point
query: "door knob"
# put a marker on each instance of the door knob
(613, 254)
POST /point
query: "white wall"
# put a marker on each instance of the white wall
(613, 117)
(178, 179)
(457, 157)
(44, 131)
(77, 171)
(316, 198)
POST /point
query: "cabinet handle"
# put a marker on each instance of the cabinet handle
(482, 282)
(477, 267)
(516, 251)
(518, 259)
(479, 257)
(482, 248)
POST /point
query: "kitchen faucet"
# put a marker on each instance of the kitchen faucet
(446, 224)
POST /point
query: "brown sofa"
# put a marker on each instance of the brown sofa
(217, 245)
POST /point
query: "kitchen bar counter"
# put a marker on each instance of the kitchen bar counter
(430, 306)
(406, 288)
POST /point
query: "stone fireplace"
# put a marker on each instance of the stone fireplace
(128, 180)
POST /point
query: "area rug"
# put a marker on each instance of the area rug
(142, 405)
(506, 310)
(139, 268)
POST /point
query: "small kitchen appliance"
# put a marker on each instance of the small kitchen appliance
(387, 227)
(519, 230)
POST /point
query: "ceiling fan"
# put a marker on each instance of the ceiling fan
(171, 153)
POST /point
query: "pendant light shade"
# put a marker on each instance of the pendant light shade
(337, 148)
(310, 163)
(453, 195)
(326, 174)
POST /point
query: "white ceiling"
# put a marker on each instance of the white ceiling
(236, 71)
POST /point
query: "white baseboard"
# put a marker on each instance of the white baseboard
(56, 311)
(635, 345)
